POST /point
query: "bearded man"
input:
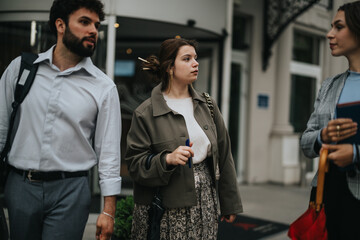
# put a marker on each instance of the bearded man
(69, 122)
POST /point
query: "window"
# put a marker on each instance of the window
(240, 41)
(305, 74)
(306, 48)
(302, 101)
(305, 69)
(234, 117)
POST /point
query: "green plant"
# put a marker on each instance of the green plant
(123, 217)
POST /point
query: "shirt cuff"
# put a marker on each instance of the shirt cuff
(110, 187)
(319, 138)
(354, 153)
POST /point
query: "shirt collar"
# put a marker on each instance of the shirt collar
(159, 104)
(85, 63)
(45, 56)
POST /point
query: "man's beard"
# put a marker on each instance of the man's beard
(75, 44)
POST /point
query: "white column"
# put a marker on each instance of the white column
(284, 143)
(110, 51)
(225, 94)
(283, 83)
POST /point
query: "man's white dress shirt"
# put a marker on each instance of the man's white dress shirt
(69, 121)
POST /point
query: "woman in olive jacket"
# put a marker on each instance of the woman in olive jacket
(159, 160)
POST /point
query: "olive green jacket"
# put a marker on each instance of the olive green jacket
(156, 129)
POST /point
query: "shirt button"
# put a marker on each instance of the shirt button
(206, 127)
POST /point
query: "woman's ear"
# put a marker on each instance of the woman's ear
(171, 71)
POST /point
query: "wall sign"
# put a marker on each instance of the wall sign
(263, 101)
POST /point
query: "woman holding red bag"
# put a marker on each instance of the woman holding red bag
(325, 130)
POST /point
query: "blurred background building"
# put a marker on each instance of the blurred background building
(262, 60)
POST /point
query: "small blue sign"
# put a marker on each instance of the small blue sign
(263, 101)
(124, 68)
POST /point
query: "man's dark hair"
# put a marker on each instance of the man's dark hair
(63, 8)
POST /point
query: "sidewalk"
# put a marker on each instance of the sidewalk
(282, 204)
(266, 201)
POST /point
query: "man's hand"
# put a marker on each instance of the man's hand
(104, 227)
(105, 223)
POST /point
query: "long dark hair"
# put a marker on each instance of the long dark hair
(63, 8)
(352, 17)
(160, 66)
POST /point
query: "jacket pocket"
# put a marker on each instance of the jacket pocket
(169, 145)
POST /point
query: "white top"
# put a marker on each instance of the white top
(201, 144)
(70, 121)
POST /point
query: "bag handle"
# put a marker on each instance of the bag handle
(209, 103)
(323, 167)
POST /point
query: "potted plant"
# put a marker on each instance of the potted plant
(123, 218)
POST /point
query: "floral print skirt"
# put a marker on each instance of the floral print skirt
(197, 222)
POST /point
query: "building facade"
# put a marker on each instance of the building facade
(265, 110)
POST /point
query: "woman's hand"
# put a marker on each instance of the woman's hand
(341, 154)
(180, 156)
(338, 130)
(228, 218)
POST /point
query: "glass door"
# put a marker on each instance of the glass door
(238, 110)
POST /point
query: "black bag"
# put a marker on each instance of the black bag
(156, 212)
(26, 77)
(24, 82)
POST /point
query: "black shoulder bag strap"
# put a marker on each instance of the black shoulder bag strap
(26, 77)
(209, 104)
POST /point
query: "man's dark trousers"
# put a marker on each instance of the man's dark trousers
(47, 210)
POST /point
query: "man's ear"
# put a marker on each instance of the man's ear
(60, 26)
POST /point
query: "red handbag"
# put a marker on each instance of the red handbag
(311, 224)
